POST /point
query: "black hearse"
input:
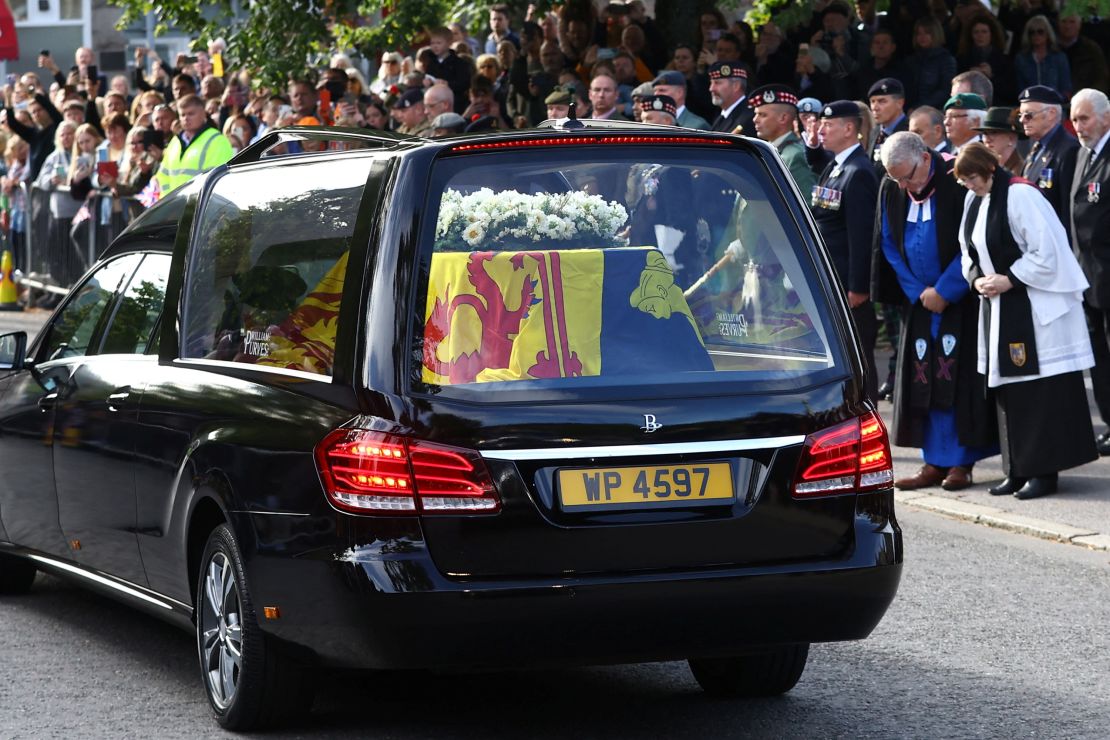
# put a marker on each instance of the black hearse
(546, 397)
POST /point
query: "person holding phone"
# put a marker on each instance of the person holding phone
(54, 179)
(39, 134)
(144, 156)
(82, 163)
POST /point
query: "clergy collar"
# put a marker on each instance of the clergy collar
(930, 188)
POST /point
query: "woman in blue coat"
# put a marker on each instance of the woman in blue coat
(1040, 61)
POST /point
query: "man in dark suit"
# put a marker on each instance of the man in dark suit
(728, 87)
(1053, 154)
(844, 201)
(1090, 234)
(887, 99)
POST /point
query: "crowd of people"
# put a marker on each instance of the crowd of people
(938, 142)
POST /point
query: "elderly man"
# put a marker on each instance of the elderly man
(887, 100)
(658, 109)
(928, 123)
(963, 113)
(410, 114)
(844, 208)
(1090, 235)
(776, 110)
(439, 98)
(1051, 160)
(198, 148)
(673, 85)
(939, 400)
(728, 88)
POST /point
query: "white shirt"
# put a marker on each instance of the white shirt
(1054, 281)
(841, 158)
(726, 112)
(1099, 145)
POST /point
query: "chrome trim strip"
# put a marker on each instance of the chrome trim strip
(254, 368)
(254, 512)
(165, 602)
(672, 448)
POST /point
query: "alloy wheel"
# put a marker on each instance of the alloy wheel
(221, 631)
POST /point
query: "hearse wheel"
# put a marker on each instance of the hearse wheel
(250, 684)
(768, 673)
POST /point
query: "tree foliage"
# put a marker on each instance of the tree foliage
(278, 39)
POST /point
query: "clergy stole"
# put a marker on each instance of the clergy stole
(1017, 343)
(935, 360)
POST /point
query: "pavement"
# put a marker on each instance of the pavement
(1078, 514)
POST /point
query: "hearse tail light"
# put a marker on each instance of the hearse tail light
(851, 456)
(367, 472)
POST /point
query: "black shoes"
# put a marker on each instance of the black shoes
(1007, 487)
(1102, 442)
(886, 393)
(1040, 485)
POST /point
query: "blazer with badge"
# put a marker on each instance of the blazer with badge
(1090, 216)
(742, 115)
(843, 204)
(1049, 167)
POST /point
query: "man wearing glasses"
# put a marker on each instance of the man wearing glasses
(939, 400)
(963, 113)
(1053, 155)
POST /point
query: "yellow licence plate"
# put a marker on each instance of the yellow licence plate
(656, 486)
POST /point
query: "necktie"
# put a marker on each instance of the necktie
(1036, 150)
(1091, 157)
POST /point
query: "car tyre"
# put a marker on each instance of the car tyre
(16, 575)
(767, 673)
(249, 682)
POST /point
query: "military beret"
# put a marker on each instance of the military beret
(559, 96)
(664, 103)
(409, 99)
(642, 90)
(449, 120)
(841, 109)
(966, 101)
(670, 77)
(769, 94)
(887, 86)
(809, 105)
(727, 71)
(1040, 94)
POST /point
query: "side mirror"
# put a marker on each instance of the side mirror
(13, 351)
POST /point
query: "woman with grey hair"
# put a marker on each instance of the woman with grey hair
(940, 402)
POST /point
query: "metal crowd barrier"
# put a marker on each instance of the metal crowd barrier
(57, 253)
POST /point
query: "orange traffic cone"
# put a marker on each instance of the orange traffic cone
(9, 295)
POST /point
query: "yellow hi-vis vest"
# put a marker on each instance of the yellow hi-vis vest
(209, 149)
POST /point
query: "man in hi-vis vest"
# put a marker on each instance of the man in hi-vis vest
(198, 148)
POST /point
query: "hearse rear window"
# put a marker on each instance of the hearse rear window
(613, 265)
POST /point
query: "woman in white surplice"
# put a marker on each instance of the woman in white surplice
(1033, 341)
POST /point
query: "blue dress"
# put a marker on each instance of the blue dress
(917, 271)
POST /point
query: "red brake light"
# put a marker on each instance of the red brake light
(367, 472)
(582, 139)
(851, 456)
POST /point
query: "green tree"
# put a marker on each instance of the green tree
(278, 39)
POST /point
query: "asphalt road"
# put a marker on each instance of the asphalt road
(992, 634)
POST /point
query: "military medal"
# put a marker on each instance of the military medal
(1093, 189)
(1046, 179)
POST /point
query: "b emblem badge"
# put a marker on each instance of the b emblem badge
(919, 347)
(650, 424)
(1017, 353)
(948, 343)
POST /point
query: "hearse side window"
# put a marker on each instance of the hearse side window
(138, 308)
(266, 268)
(75, 327)
(614, 267)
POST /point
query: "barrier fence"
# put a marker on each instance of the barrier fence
(58, 251)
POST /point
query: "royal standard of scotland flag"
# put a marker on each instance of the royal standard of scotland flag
(535, 314)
